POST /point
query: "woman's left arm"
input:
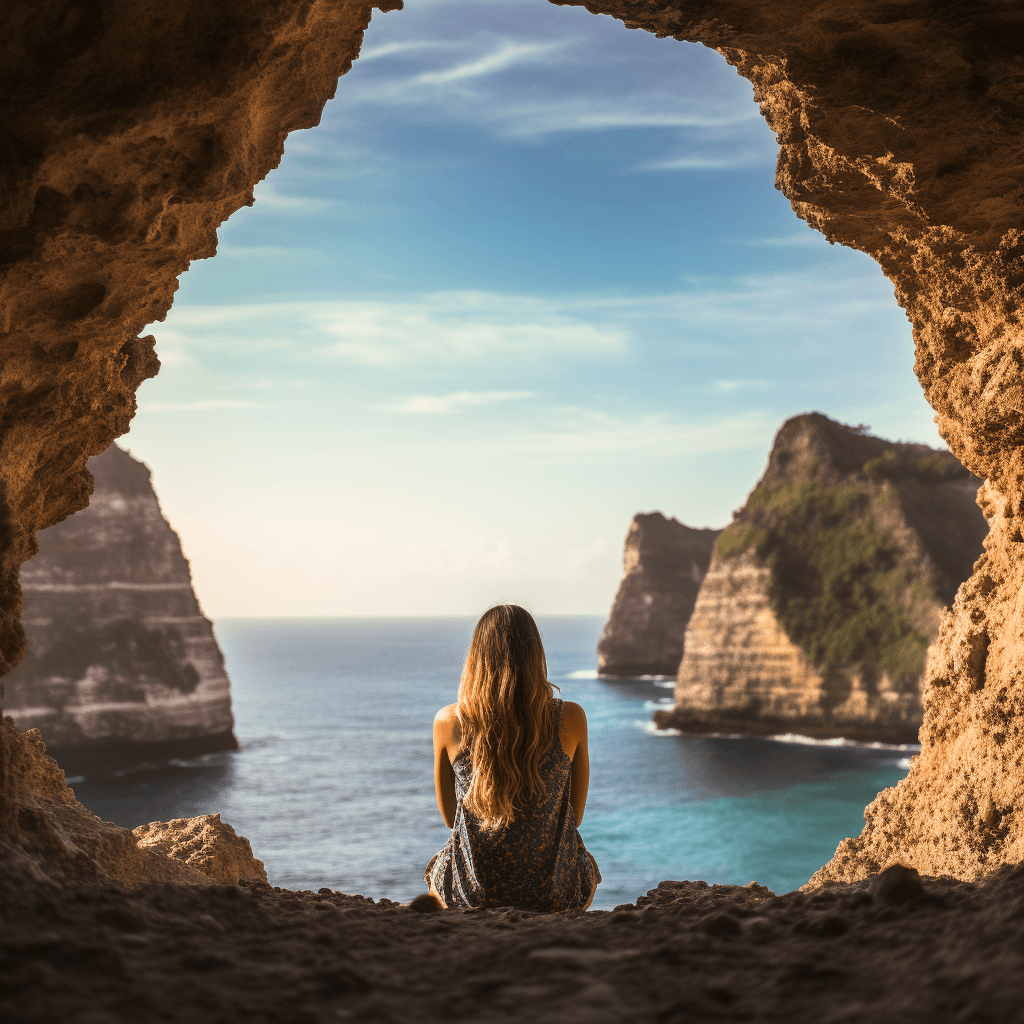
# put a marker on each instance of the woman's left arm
(574, 718)
(444, 774)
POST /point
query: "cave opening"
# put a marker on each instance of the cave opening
(556, 256)
(880, 169)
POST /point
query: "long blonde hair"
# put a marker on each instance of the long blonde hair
(505, 713)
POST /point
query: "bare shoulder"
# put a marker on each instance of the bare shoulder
(448, 716)
(574, 718)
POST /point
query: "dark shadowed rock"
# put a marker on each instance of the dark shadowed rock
(896, 884)
(664, 563)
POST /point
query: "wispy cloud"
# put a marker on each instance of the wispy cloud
(453, 328)
(368, 53)
(273, 201)
(202, 405)
(729, 386)
(446, 404)
(808, 238)
(445, 326)
(740, 157)
(596, 434)
(507, 55)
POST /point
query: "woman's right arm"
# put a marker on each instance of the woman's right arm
(444, 774)
(574, 719)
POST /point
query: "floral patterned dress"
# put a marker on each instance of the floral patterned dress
(537, 862)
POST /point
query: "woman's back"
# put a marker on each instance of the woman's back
(536, 861)
(511, 771)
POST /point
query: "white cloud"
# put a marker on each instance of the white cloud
(744, 156)
(473, 328)
(272, 201)
(202, 405)
(450, 326)
(592, 435)
(509, 54)
(446, 404)
(595, 114)
(741, 385)
(808, 238)
(368, 53)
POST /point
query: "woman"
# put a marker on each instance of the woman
(511, 772)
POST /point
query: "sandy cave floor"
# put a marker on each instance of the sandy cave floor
(84, 954)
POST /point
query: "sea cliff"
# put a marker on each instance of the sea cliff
(664, 562)
(825, 592)
(121, 660)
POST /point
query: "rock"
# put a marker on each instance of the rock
(720, 925)
(897, 137)
(425, 903)
(206, 844)
(664, 563)
(826, 590)
(52, 836)
(122, 662)
(896, 884)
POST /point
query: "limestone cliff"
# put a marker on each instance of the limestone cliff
(121, 659)
(826, 590)
(663, 564)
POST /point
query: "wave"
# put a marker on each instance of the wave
(593, 673)
(840, 741)
(651, 729)
(661, 704)
(790, 737)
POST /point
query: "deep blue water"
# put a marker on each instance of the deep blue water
(333, 783)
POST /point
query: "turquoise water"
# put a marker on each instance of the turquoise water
(333, 782)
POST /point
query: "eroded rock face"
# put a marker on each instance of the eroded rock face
(131, 131)
(900, 134)
(122, 662)
(663, 565)
(205, 843)
(827, 588)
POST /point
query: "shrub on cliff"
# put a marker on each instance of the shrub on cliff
(862, 537)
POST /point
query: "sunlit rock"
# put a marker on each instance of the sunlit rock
(827, 588)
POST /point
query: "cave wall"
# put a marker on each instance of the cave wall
(129, 131)
(900, 133)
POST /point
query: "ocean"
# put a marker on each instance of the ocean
(333, 783)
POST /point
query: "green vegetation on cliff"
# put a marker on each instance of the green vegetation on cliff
(864, 538)
(839, 585)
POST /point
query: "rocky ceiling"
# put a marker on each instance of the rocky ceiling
(130, 130)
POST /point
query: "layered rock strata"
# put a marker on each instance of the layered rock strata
(901, 131)
(663, 564)
(122, 662)
(826, 590)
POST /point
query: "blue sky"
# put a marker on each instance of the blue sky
(528, 277)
